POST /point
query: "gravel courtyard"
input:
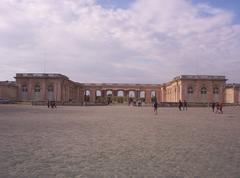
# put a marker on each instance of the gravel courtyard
(118, 141)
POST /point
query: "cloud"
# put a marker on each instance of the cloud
(149, 42)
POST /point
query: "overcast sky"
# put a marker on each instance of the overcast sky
(141, 41)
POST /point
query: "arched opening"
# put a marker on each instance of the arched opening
(87, 94)
(98, 96)
(37, 91)
(142, 96)
(109, 94)
(24, 92)
(153, 96)
(120, 95)
(50, 93)
(131, 94)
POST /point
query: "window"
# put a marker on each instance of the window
(24, 88)
(203, 90)
(215, 90)
(190, 90)
(37, 88)
(50, 88)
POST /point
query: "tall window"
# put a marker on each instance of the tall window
(215, 90)
(203, 90)
(50, 88)
(37, 88)
(50, 92)
(24, 92)
(24, 88)
(190, 90)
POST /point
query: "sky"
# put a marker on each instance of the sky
(125, 41)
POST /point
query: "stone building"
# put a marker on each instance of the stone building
(8, 90)
(38, 87)
(232, 93)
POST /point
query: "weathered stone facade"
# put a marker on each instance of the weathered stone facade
(8, 90)
(192, 88)
(232, 93)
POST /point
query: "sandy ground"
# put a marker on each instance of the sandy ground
(118, 141)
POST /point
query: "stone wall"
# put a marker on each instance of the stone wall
(8, 90)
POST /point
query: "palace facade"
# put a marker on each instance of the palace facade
(41, 87)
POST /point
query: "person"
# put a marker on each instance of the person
(213, 106)
(180, 105)
(54, 104)
(155, 107)
(221, 108)
(51, 103)
(48, 104)
(185, 105)
(217, 108)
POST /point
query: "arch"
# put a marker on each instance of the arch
(120, 93)
(98, 96)
(131, 94)
(142, 94)
(87, 94)
(109, 93)
(153, 96)
(153, 93)
(98, 93)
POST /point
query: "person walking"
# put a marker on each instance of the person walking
(185, 105)
(155, 107)
(217, 108)
(221, 108)
(180, 105)
(213, 106)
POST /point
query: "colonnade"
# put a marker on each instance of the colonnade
(119, 95)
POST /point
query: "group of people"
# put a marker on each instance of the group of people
(217, 108)
(51, 104)
(182, 105)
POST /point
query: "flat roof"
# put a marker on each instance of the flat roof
(41, 75)
(8, 83)
(200, 77)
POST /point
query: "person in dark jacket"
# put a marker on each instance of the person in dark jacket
(180, 105)
(185, 105)
(155, 107)
(213, 106)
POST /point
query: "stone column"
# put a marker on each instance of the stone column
(148, 96)
(92, 95)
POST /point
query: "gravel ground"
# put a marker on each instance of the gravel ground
(118, 141)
